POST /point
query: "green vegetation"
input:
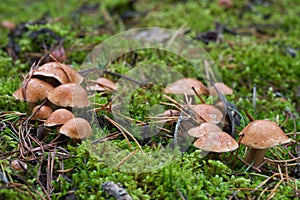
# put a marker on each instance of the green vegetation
(263, 54)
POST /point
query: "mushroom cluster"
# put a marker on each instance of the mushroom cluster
(259, 135)
(52, 90)
(209, 136)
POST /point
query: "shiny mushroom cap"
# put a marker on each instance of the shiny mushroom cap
(61, 72)
(18, 165)
(207, 113)
(222, 88)
(69, 95)
(103, 84)
(263, 134)
(43, 112)
(77, 128)
(216, 142)
(35, 90)
(203, 129)
(184, 86)
(59, 117)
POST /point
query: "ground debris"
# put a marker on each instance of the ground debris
(115, 190)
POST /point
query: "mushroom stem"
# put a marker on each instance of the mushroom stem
(256, 156)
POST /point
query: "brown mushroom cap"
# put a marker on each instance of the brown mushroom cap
(61, 72)
(203, 129)
(73, 76)
(207, 113)
(184, 86)
(77, 128)
(51, 70)
(169, 113)
(59, 117)
(224, 89)
(43, 113)
(102, 85)
(36, 90)
(69, 95)
(263, 134)
(216, 142)
(18, 165)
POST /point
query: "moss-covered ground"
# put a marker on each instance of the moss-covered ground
(259, 49)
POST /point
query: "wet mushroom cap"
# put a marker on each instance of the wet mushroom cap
(61, 72)
(217, 142)
(69, 95)
(43, 112)
(59, 117)
(35, 90)
(203, 129)
(73, 75)
(263, 134)
(18, 165)
(222, 88)
(102, 84)
(77, 128)
(184, 86)
(51, 70)
(207, 113)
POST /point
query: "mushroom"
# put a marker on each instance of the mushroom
(208, 113)
(18, 165)
(77, 128)
(260, 135)
(221, 87)
(61, 73)
(69, 95)
(34, 90)
(41, 112)
(103, 84)
(217, 142)
(203, 129)
(59, 117)
(185, 86)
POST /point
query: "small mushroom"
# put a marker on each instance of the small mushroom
(59, 117)
(221, 87)
(77, 128)
(102, 84)
(185, 87)
(43, 112)
(217, 142)
(260, 135)
(18, 165)
(69, 95)
(203, 129)
(208, 113)
(34, 90)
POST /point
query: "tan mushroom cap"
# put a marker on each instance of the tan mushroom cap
(263, 134)
(102, 85)
(77, 128)
(223, 89)
(59, 117)
(184, 86)
(216, 142)
(61, 72)
(69, 95)
(73, 75)
(36, 90)
(207, 112)
(203, 129)
(43, 113)
(169, 113)
(53, 71)
(18, 165)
